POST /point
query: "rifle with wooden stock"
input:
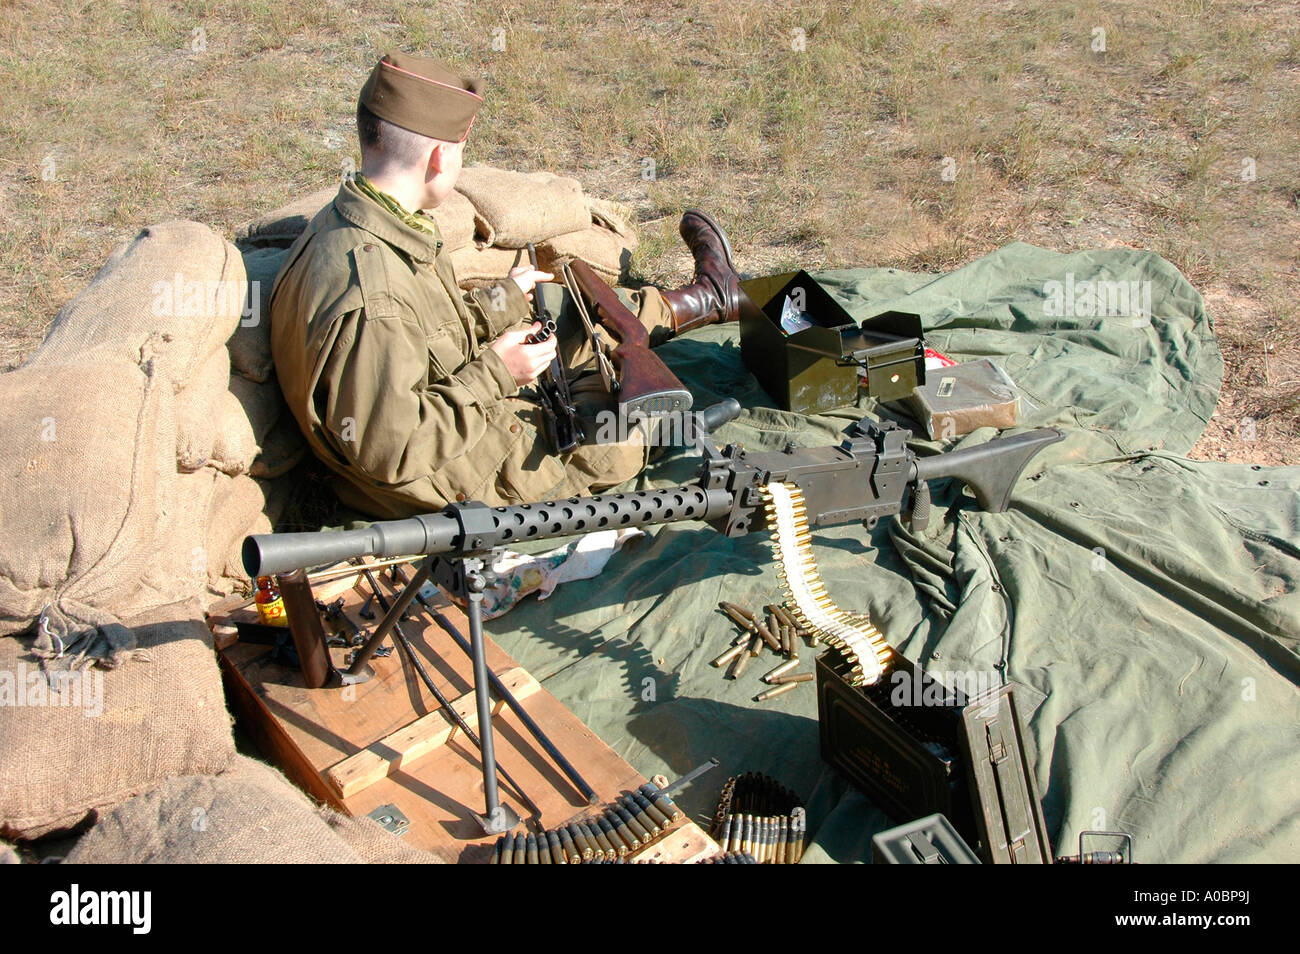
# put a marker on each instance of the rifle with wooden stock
(645, 386)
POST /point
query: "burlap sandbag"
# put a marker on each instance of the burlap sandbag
(456, 220)
(606, 252)
(250, 345)
(130, 729)
(515, 208)
(202, 407)
(224, 429)
(283, 447)
(236, 446)
(614, 216)
(260, 404)
(475, 267)
(87, 463)
(179, 282)
(250, 814)
(239, 506)
(280, 228)
(183, 552)
(8, 856)
(214, 512)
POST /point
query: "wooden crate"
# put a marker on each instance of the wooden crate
(384, 742)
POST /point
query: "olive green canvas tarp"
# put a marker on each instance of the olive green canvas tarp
(1146, 602)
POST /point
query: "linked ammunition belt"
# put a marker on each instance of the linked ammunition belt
(729, 858)
(624, 828)
(851, 635)
(758, 816)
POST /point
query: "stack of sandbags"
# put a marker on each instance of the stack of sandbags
(492, 214)
(127, 448)
(513, 209)
(249, 814)
(103, 519)
(605, 243)
(101, 737)
(88, 471)
(126, 456)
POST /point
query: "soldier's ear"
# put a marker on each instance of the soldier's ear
(437, 158)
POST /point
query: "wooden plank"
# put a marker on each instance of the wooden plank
(271, 737)
(227, 605)
(306, 732)
(331, 590)
(401, 749)
(329, 725)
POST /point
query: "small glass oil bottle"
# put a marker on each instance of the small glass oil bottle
(270, 607)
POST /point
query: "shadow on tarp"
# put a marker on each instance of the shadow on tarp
(686, 732)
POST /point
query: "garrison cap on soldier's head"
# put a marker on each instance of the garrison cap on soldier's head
(423, 95)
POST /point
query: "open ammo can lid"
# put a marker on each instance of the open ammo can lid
(815, 366)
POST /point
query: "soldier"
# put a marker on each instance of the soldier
(407, 388)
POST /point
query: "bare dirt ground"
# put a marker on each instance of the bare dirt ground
(915, 135)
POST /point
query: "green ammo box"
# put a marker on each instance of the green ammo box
(917, 747)
(817, 367)
(927, 841)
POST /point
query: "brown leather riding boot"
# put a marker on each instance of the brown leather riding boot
(715, 294)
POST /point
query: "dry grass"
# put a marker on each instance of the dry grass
(832, 155)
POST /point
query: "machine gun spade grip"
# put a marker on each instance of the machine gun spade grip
(991, 469)
(715, 415)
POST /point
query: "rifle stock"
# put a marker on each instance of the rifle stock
(991, 469)
(648, 386)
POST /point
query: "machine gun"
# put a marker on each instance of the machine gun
(870, 474)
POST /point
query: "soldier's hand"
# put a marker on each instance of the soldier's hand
(527, 277)
(525, 361)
